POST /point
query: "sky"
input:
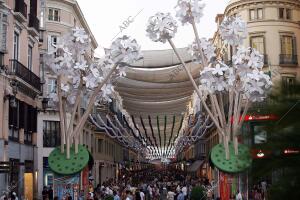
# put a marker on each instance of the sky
(106, 19)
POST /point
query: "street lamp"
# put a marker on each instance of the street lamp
(12, 97)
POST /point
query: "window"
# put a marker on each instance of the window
(30, 58)
(14, 178)
(52, 41)
(257, 42)
(51, 133)
(260, 134)
(288, 14)
(288, 84)
(16, 46)
(287, 45)
(285, 13)
(3, 31)
(100, 144)
(22, 116)
(255, 14)
(53, 15)
(281, 13)
(52, 83)
(252, 14)
(14, 121)
(259, 13)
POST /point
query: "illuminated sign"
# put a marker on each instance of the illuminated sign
(258, 118)
(291, 151)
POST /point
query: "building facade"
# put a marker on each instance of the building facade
(57, 18)
(274, 30)
(20, 87)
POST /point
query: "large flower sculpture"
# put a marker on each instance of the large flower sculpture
(161, 27)
(79, 79)
(189, 11)
(233, 30)
(229, 89)
(207, 47)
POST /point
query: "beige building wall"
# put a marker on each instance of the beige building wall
(15, 18)
(272, 27)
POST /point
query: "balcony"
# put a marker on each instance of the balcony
(288, 59)
(20, 11)
(34, 25)
(20, 71)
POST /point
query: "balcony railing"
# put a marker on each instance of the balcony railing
(34, 22)
(288, 59)
(21, 7)
(25, 74)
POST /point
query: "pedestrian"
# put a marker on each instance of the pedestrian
(14, 196)
(50, 193)
(170, 195)
(142, 194)
(180, 196)
(116, 196)
(45, 193)
(137, 195)
(238, 196)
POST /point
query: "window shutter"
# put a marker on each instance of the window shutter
(10, 116)
(50, 47)
(34, 121)
(3, 37)
(29, 118)
(22, 115)
(294, 46)
(15, 115)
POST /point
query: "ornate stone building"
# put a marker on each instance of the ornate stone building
(274, 30)
(20, 87)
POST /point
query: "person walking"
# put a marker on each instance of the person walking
(116, 196)
(180, 196)
(238, 196)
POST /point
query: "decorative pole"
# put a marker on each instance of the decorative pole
(242, 83)
(78, 80)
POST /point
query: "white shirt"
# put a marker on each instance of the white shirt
(150, 190)
(170, 195)
(184, 190)
(142, 195)
(178, 189)
(239, 196)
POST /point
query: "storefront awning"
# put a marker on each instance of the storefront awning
(195, 166)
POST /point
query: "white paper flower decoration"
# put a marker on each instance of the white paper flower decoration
(247, 59)
(233, 30)
(207, 47)
(80, 35)
(124, 50)
(161, 27)
(189, 10)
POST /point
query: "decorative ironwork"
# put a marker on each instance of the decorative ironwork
(288, 59)
(25, 74)
(34, 22)
(21, 7)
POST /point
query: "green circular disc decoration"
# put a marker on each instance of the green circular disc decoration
(61, 165)
(235, 164)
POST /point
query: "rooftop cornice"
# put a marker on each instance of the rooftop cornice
(239, 3)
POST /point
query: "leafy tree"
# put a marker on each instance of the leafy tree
(283, 134)
(198, 192)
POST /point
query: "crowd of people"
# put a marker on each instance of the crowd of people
(149, 185)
